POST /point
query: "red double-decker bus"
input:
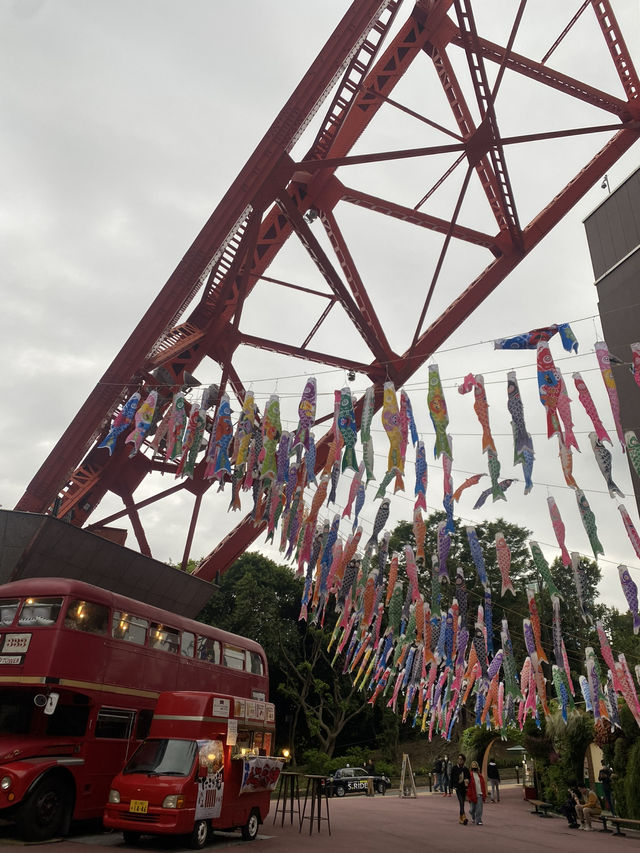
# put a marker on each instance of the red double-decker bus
(81, 669)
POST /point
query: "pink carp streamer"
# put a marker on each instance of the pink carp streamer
(604, 361)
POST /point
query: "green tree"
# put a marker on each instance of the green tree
(260, 599)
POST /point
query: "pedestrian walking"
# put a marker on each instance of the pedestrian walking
(437, 769)
(459, 781)
(476, 793)
(493, 775)
(446, 776)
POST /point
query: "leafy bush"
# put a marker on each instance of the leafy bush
(316, 761)
(632, 781)
(385, 768)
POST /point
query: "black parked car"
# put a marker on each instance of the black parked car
(355, 780)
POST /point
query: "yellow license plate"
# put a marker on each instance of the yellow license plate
(139, 806)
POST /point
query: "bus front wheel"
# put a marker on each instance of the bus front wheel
(46, 812)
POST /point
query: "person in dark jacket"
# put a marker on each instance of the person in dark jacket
(604, 777)
(459, 781)
(568, 808)
(437, 770)
(493, 775)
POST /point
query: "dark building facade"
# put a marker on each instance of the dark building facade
(613, 235)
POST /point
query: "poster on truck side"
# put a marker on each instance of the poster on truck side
(260, 773)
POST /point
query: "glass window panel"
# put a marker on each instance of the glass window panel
(208, 649)
(39, 611)
(163, 638)
(233, 657)
(187, 644)
(8, 608)
(254, 663)
(132, 629)
(87, 616)
(114, 723)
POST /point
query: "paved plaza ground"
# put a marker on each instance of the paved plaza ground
(386, 824)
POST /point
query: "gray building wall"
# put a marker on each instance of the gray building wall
(613, 236)
(39, 546)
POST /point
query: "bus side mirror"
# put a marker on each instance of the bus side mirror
(52, 703)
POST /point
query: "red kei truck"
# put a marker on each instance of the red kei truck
(81, 669)
(204, 766)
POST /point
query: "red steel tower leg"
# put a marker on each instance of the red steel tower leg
(375, 46)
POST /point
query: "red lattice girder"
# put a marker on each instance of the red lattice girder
(266, 206)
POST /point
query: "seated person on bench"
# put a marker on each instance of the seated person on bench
(568, 808)
(588, 807)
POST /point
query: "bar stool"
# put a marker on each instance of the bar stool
(317, 791)
(288, 794)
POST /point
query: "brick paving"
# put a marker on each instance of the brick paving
(386, 824)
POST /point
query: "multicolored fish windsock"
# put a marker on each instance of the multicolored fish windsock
(590, 408)
(530, 340)
(143, 419)
(438, 412)
(589, 522)
(120, 423)
(306, 414)
(604, 362)
(630, 590)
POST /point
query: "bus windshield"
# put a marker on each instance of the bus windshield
(160, 757)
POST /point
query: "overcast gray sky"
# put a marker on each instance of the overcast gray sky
(123, 125)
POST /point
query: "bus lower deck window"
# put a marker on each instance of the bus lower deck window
(87, 616)
(114, 723)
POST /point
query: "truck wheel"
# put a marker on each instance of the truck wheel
(381, 788)
(250, 829)
(46, 812)
(130, 837)
(340, 791)
(199, 834)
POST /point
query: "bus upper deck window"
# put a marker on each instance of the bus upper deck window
(163, 638)
(233, 657)
(39, 611)
(87, 616)
(208, 649)
(131, 628)
(254, 663)
(187, 644)
(8, 608)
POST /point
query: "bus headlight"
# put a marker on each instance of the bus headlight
(114, 796)
(173, 801)
(6, 782)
